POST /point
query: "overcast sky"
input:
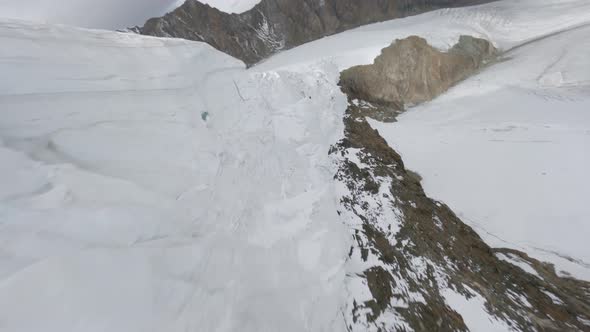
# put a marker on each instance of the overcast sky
(103, 14)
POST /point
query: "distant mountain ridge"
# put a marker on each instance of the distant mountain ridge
(273, 25)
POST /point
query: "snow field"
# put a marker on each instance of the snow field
(121, 209)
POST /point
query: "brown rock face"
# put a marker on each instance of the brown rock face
(410, 71)
(273, 25)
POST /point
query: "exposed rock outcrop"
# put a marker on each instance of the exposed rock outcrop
(273, 25)
(411, 252)
(410, 71)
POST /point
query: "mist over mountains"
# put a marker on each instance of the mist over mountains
(103, 14)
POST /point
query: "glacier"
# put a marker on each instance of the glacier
(154, 184)
(123, 210)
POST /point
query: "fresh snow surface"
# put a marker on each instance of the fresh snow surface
(509, 149)
(228, 6)
(121, 209)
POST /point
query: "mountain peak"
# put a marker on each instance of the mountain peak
(273, 25)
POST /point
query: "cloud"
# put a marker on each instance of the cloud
(103, 14)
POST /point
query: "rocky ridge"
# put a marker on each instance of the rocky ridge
(273, 25)
(411, 252)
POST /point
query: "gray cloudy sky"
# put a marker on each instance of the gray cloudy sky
(104, 14)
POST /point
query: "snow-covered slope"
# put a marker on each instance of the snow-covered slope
(508, 150)
(154, 185)
(228, 6)
(506, 23)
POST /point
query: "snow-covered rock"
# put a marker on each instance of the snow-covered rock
(270, 26)
(227, 6)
